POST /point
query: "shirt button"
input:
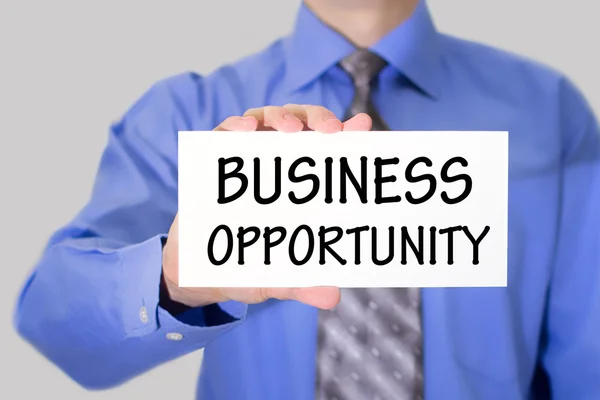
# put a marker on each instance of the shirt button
(144, 315)
(174, 336)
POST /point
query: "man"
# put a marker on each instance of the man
(104, 306)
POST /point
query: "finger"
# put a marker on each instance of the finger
(322, 120)
(360, 122)
(275, 118)
(255, 295)
(244, 124)
(320, 297)
(300, 113)
(315, 118)
(259, 115)
(282, 120)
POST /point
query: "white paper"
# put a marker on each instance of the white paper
(486, 154)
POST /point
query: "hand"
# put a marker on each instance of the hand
(289, 118)
(294, 118)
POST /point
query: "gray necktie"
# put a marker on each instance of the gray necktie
(362, 66)
(369, 346)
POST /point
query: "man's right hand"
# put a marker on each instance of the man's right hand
(289, 118)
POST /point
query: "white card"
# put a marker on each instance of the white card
(441, 197)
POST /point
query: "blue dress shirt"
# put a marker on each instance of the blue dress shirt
(91, 304)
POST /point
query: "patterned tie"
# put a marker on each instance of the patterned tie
(370, 344)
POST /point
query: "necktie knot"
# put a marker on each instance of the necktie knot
(362, 66)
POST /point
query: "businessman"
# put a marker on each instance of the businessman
(103, 302)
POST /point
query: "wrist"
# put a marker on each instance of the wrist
(167, 302)
(177, 300)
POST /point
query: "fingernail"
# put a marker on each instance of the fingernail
(290, 117)
(247, 118)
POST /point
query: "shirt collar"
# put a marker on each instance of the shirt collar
(413, 48)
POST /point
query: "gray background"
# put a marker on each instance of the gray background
(69, 68)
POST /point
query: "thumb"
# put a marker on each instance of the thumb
(320, 297)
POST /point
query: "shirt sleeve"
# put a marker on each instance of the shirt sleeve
(571, 352)
(91, 305)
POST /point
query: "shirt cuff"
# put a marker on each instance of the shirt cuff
(141, 268)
